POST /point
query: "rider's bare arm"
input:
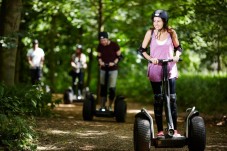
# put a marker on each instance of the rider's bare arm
(177, 46)
(145, 43)
(101, 63)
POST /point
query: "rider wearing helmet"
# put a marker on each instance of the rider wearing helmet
(78, 64)
(162, 14)
(164, 44)
(109, 55)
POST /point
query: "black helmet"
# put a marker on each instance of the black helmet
(103, 35)
(162, 14)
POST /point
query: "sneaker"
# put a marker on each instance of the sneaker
(160, 133)
(80, 97)
(103, 109)
(176, 134)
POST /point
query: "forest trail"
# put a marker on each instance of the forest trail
(66, 131)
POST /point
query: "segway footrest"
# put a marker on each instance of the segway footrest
(174, 142)
(104, 113)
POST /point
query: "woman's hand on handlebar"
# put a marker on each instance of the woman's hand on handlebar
(176, 58)
(154, 60)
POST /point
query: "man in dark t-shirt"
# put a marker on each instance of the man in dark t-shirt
(108, 57)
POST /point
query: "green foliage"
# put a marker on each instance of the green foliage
(206, 92)
(17, 133)
(18, 105)
(60, 25)
(202, 28)
(26, 100)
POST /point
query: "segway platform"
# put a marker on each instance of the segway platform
(89, 109)
(165, 142)
(105, 113)
(195, 134)
(69, 97)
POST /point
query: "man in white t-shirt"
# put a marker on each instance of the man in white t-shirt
(78, 64)
(35, 57)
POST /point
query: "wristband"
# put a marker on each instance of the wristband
(179, 48)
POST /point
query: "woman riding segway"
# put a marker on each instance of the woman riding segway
(165, 51)
(163, 44)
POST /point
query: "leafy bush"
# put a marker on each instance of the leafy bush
(206, 92)
(18, 106)
(17, 133)
(26, 100)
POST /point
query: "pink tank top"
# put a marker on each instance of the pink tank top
(161, 51)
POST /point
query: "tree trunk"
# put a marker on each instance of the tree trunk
(51, 54)
(100, 27)
(9, 26)
(90, 56)
(218, 57)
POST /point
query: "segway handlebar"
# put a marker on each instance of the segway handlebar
(106, 65)
(168, 60)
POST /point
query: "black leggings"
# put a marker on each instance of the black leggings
(158, 103)
(157, 86)
(36, 75)
(80, 83)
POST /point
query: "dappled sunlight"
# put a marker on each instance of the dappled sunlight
(68, 131)
(70, 117)
(66, 105)
(87, 147)
(57, 132)
(48, 147)
(97, 125)
(134, 111)
(122, 137)
(91, 133)
(180, 119)
(217, 146)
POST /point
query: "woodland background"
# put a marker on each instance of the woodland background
(60, 25)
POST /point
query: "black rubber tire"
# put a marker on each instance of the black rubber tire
(142, 134)
(66, 97)
(197, 134)
(120, 110)
(88, 108)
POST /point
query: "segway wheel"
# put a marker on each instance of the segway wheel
(68, 97)
(120, 110)
(197, 134)
(88, 108)
(142, 134)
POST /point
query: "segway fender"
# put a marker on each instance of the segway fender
(191, 114)
(144, 113)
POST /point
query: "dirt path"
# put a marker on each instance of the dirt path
(66, 130)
